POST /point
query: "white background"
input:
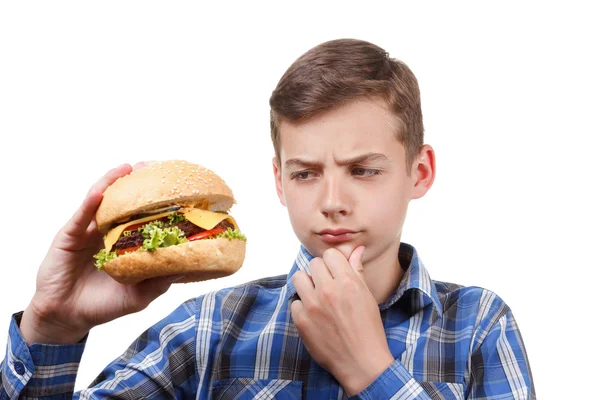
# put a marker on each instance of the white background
(510, 97)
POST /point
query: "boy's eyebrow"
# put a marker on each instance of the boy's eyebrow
(368, 157)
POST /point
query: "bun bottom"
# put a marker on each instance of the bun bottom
(199, 260)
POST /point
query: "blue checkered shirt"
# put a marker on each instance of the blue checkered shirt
(448, 341)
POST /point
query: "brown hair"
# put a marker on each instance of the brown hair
(339, 71)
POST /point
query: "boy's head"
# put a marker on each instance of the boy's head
(347, 129)
(339, 71)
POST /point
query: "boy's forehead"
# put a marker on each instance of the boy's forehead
(355, 129)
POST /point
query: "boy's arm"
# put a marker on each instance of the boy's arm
(71, 297)
(499, 366)
(159, 363)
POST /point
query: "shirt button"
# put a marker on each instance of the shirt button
(19, 367)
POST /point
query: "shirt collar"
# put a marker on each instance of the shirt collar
(416, 284)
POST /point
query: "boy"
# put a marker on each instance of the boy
(357, 316)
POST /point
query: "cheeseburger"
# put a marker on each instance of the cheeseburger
(169, 218)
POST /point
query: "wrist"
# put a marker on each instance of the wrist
(40, 328)
(365, 373)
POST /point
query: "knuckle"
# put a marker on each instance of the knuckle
(311, 307)
(329, 294)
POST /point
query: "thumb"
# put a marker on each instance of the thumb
(355, 261)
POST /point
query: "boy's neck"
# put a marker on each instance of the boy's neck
(383, 275)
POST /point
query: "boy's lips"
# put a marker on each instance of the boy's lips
(337, 235)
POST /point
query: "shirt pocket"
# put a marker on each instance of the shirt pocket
(444, 390)
(248, 388)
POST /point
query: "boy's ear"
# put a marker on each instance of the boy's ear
(278, 184)
(423, 172)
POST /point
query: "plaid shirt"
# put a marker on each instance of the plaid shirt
(449, 342)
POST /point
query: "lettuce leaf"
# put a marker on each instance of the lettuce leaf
(176, 218)
(102, 257)
(231, 234)
(155, 237)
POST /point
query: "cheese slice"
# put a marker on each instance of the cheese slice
(202, 218)
(206, 219)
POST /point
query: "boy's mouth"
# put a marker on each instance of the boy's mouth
(337, 235)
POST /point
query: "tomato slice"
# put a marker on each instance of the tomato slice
(205, 234)
(127, 250)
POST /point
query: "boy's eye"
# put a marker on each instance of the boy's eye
(302, 175)
(365, 172)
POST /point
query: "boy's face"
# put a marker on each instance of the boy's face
(345, 170)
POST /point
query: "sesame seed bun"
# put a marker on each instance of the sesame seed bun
(198, 260)
(162, 184)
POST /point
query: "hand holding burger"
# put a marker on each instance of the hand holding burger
(72, 296)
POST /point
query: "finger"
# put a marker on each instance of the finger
(304, 284)
(297, 310)
(142, 164)
(319, 272)
(337, 263)
(82, 218)
(355, 261)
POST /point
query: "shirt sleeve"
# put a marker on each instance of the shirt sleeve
(499, 366)
(38, 370)
(394, 383)
(160, 363)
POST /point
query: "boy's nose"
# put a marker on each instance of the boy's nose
(335, 200)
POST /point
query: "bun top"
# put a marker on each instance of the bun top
(161, 184)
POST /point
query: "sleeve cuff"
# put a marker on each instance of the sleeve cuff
(40, 369)
(395, 382)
